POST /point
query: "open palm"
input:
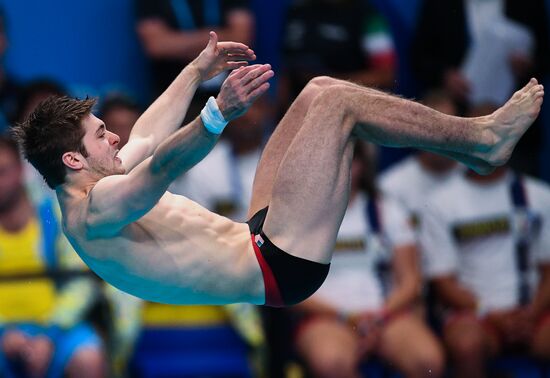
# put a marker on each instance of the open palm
(221, 56)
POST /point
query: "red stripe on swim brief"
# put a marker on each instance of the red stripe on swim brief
(272, 293)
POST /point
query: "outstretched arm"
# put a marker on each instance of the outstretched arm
(166, 114)
(119, 200)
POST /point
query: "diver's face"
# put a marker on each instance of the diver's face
(102, 148)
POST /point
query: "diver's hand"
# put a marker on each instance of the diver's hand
(221, 56)
(241, 88)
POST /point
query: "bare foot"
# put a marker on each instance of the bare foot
(509, 123)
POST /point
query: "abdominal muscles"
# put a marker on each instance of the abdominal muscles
(179, 253)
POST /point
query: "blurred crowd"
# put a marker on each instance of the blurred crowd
(437, 271)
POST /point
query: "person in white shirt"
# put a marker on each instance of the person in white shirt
(487, 244)
(368, 303)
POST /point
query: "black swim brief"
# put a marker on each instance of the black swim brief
(287, 279)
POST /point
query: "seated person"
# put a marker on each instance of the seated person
(45, 289)
(487, 246)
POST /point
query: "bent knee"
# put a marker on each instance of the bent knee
(323, 81)
(333, 98)
(313, 88)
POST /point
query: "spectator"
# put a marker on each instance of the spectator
(174, 32)
(481, 51)
(33, 93)
(120, 113)
(45, 289)
(487, 240)
(448, 32)
(368, 305)
(347, 39)
(411, 180)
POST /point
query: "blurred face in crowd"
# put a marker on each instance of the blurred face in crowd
(120, 121)
(11, 179)
(33, 101)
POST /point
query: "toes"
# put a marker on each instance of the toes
(532, 83)
(536, 88)
(530, 86)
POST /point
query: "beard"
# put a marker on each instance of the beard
(104, 167)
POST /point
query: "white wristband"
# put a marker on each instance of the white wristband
(212, 117)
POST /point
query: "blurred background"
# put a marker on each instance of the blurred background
(437, 271)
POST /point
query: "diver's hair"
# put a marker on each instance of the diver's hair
(52, 129)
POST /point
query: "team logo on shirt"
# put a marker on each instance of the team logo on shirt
(350, 245)
(259, 240)
(523, 224)
(479, 229)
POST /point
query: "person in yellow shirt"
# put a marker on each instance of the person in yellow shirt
(45, 291)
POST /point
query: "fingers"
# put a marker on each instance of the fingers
(253, 96)
(236, 65)
(237, 57)
(242, 87)
(537, 89)
(233, 47)
(212, 41)
(241, 72)
(260, 80)
(248, 53)
(255, 72)
(253, 76)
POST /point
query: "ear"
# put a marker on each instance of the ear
(73, 160)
